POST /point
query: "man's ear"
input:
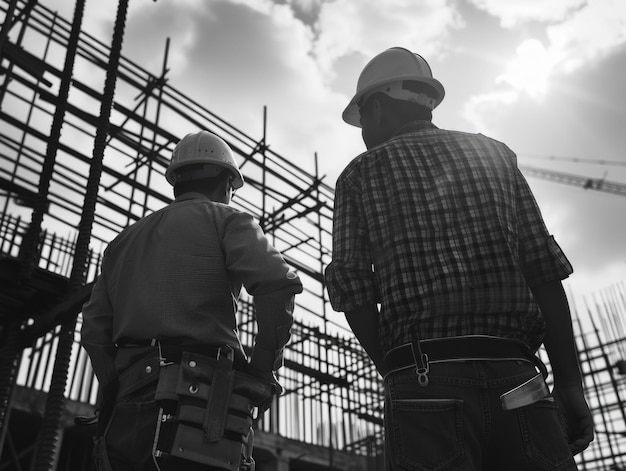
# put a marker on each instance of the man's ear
(225, 187)
(377, 111)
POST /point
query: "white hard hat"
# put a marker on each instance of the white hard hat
(395, 72)
(205, 148)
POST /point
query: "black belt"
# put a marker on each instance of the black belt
(136, 343)
(473, 347)
(140, 361)
(171, 351)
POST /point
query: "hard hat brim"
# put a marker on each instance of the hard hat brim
(237, 180)
(352, 115)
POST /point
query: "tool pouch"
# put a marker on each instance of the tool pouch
(207, 410)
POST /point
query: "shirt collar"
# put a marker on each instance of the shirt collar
(191, 195)
(414, 126)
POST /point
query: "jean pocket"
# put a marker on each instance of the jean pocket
(426, 434)
(100, 458)
(544, 440)
(131, 428)
(117, 430)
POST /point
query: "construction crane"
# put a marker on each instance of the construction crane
(598, 184)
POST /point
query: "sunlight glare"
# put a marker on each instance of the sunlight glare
(530, 71)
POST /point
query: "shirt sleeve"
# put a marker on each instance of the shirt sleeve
(349, 277)
(97, 333)
(261, 269)
(541, 258)
(251, 258)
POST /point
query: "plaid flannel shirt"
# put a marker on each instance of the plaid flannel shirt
(441, 229)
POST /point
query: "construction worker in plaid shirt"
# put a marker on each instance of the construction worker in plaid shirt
(451, 282)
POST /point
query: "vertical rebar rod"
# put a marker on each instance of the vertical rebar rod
(9, 19)
(11, 352)
(614, 384)
(9, 360)
(49, 435)
(597, 390)
(31, 239)
(3, 88)
(263, 148)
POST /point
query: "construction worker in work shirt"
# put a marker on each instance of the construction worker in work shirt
(172, 281)
(449, 279)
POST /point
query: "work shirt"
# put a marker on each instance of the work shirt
(441, 229)
(176, 276)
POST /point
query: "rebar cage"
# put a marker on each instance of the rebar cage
(333, 394)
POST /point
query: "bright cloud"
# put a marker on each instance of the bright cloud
(145, 23)
(585, 284)
(302, 58)
(239, 55)
(368, 27)
(514, 12)
(591, 33)
(577, 35)
(531, 69)
(479, 107)
(306, 10)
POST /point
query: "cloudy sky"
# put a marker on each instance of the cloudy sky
(546, 78)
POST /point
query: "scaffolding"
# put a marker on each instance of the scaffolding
(333, 394)
(147, 118)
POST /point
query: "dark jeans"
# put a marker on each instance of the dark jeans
(457, 421)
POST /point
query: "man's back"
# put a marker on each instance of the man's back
(451, 230)
(166, 275)
(168, 292)
(449, 280)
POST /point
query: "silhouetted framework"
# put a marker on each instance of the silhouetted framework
(588, 183)
(333, 395)
(332, 392)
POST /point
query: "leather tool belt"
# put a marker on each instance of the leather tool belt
(206, 406)
(421, 354)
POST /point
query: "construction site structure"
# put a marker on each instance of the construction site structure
(85, 137)
(587, 183)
